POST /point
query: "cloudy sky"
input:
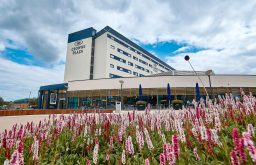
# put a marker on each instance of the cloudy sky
(218, 35)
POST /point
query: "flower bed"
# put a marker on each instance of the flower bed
(212, 133)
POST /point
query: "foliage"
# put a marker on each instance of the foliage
(213, 133)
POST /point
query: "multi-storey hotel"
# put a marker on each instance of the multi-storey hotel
(102, 66)
(108, 54)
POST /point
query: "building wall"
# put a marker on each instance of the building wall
(78, 60)
(124, 63)
(161, 82)
(100, 58)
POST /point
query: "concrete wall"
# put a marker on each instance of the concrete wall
(158, 82)
(78, 64)
(100, 57)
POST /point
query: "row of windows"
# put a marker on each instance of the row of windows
(123, 52)
(132, 49)
(129, 55)
(124, 70)
(129, 63)
(117, 58)
(114, 76)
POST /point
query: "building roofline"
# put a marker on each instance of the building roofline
(120, 36)
(163, 76)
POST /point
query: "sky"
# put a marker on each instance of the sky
(217, 34)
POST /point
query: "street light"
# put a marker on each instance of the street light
(209, 73)
(121, 92)
(187, 59)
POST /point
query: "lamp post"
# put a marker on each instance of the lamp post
(187, 58)
(121, 92)
(209, 73)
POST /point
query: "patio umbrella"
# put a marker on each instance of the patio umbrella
(197, 92)
(140, 92)
(168, 94)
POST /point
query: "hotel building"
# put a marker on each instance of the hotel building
(97, 61)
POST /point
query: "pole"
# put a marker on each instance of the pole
(199, 79)
(210, 82)
(121, 93)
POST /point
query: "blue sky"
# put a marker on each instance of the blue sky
(218, 35)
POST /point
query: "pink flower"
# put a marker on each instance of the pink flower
(95, 153)
(147, 162)
(129, 146)
(235, 136)
(35, 149)
(88, 162)
(196, 154)
(107, 157)
(141, 140)
(123, 157)
(111, 142)
(148, 140)
(175, 144)
(162, 159)
(241, 151)
(250, 129)
(234, 158)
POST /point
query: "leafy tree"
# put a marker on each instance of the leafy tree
(1, 101)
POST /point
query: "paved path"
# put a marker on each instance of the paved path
(6, 122)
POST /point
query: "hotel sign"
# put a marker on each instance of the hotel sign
(78, 47)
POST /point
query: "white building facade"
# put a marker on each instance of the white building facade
(108, 54)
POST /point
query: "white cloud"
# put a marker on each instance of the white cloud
(18, 80)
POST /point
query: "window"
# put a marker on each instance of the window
(111, 66)
(141, 75)
(130, 63)
(123, 52)
(147, 70)
(112, 46)
(124, 69)
(117, 58)
(135, 74)
(143, 62)
(139, 67)
(150, 65)
(114, 76)
(135, 58)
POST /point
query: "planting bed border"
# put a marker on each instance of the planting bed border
(48, 111)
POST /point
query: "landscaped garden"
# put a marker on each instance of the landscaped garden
(218, 132)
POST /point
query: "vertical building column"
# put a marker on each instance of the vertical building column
(48, 100)
(57, 99)
(92, 58)
(40, 99)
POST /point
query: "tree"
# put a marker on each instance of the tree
(1, 101)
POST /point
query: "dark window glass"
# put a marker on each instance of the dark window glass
(117, 58)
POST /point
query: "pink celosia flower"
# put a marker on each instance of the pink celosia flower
(107, 157)
(250, 129)
(123, 157)
(162, 159)
(235, 137)
(141, 140)
(95, 153)
(129, 146)
(88, 162)
(111, 142)
(35, 149)
(148, 140)
(147, 162)
(241, 151)
(175, 144)
(234, 158)
(196, 154)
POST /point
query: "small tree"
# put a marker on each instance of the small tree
(1, 101)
